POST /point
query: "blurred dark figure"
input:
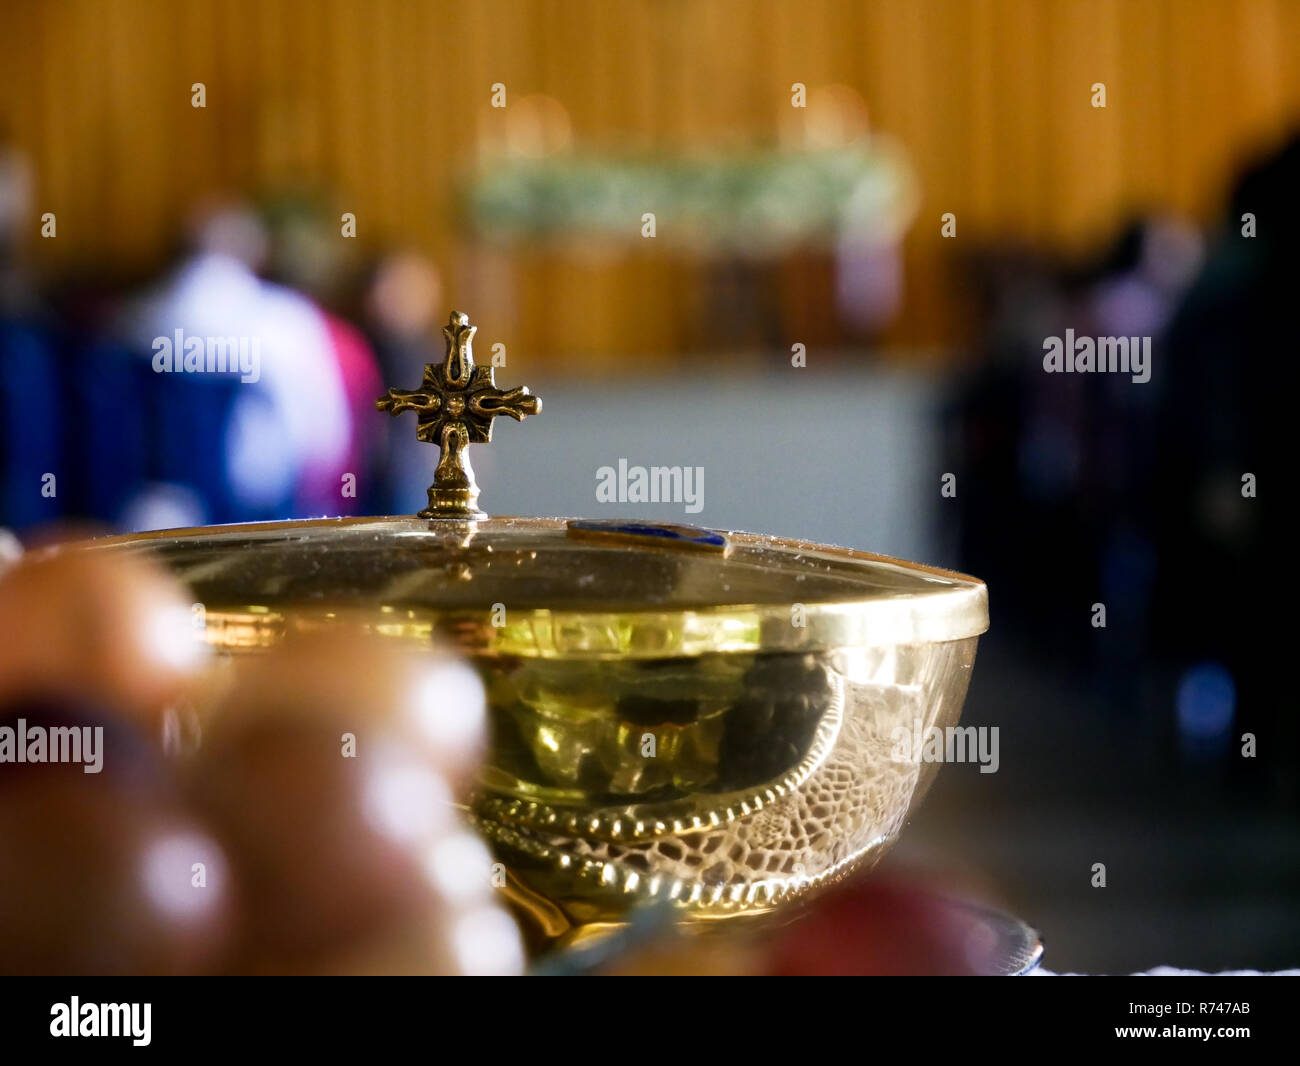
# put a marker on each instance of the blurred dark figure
(1150, 498)
(32, 416)
(1226, 439)
(401, 314)
(1054, 468)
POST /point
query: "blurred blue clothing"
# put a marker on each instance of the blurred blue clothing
(108, 449)
(113, 434)
(33, 415)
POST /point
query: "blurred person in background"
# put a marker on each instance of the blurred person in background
(305, 253)
(1226, 435)
(32, 424)
(1155, 492)
(285, 431)
(17, 286)
(402, 297)
(1069, 455)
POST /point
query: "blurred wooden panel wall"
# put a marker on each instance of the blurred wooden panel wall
(384, 100)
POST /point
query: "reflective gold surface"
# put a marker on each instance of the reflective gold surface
(561, 596)
(790, 782)
(712, 729)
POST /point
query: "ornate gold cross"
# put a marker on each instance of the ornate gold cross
(456, 404)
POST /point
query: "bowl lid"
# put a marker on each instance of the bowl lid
(551, 587)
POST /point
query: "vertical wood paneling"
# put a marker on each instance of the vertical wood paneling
(1142, 109)
(385, 100)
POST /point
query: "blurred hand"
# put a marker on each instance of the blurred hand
(312, 829)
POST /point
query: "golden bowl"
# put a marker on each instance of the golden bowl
(719, 721)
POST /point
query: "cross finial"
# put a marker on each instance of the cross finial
(455, 406)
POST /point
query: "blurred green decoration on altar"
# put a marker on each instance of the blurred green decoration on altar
(761, 203)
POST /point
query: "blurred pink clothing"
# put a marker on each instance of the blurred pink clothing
(362, 385)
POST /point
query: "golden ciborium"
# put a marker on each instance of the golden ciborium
(702, 718)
